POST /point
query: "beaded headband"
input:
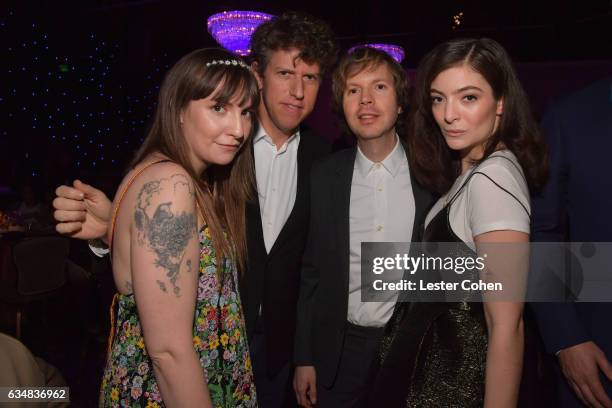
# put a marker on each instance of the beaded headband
(228, 62)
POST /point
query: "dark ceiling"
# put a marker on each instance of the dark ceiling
(535, 30)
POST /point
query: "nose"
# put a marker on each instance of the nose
(237, 128)
(296, 88)
(451, 113)
(366, 97)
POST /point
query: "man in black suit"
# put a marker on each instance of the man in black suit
(290, 54)
(358, 195)
(575, 206)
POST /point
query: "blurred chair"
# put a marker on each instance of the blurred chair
(40, 273)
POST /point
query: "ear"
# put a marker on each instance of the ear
(181, 120)
(399, 110)
(255, 70)
(500, 107)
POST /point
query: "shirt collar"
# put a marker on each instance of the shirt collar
(262, 134)
(392, 163)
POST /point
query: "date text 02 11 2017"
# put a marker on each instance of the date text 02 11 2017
(34, 394)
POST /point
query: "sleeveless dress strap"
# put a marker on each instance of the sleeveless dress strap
(122, 196)
(113, 307)
(465, 182)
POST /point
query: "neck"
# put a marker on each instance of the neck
(379, 148)
(466, 164)
(278, 136)
(198, 166)
(474, 155)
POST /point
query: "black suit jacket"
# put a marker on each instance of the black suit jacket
(323, 303)
(272, 280)
(575, 206)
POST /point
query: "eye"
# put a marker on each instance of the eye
(310, 77)
(435, 99)
(284, 73)
(219, 108)
(352, 91)
(470, 98)
(247, 113)
(381, 86)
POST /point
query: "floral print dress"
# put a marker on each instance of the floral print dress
(219, 338)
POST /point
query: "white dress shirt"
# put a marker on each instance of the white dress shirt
(276, 175)
(381, 210)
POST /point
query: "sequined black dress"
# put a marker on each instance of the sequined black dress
(434, 354)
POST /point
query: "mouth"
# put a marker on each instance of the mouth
(367, 117)
(229, 146)
(293, 107)
(454, 132)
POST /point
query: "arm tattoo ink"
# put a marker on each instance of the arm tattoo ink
(166, 232)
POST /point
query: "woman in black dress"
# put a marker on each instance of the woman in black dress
(473, 139)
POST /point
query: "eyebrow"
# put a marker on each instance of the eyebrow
(465, 88)
(248, 105)
(373, 81)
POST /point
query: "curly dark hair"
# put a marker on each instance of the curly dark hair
(313, 37)
(363, 58)
(434, 164)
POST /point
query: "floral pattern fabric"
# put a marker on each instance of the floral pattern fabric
(219, 338)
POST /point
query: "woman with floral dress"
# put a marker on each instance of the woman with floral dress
(178, 239)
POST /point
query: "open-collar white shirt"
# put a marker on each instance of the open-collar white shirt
(276, 174)
(382, 209)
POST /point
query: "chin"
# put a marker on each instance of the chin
(369, 134)
(455, 144)
(290, 127)
(223, 160)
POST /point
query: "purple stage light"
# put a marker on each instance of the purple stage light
(393, 50)
(233, 29)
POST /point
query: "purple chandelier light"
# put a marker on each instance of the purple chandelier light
(393, 50)
(233, 29)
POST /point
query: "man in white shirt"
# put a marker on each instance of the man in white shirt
(362, 194)
(290, 54)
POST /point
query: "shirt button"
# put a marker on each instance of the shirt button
(380, 189)
(379, 228)
(377, 165)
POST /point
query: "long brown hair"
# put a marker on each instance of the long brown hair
(434, 164)
(222, 191)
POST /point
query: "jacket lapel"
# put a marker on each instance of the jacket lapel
(304, 157)
(341, 201)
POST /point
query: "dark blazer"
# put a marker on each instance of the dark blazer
(323, 302)
(272, 280)
(576, 206)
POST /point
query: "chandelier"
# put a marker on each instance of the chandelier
(233, 29)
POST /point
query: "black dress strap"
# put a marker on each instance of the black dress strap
(454, 197)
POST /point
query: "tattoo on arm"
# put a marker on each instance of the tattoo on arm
(166, 232)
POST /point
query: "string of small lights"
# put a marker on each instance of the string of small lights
(78, 101)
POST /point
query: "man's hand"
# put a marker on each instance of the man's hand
(305, 385)
(82, 211)
(580, 365)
